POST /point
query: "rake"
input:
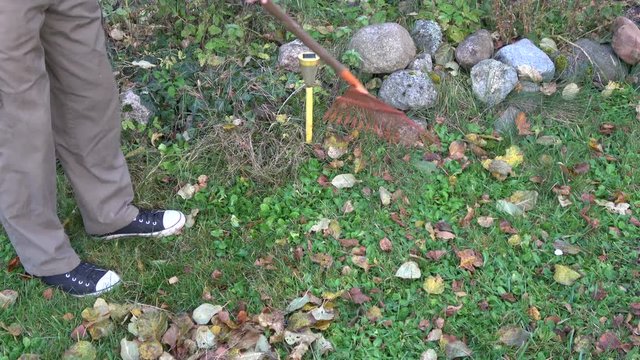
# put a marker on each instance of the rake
(356, 108)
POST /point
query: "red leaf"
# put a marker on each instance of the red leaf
(385, 244)
(356, 295)
(581, 168)
(608, 341)
(634, 221)
(396, 218)
(450, 310)
(588, 198)
(505, 227)
(509, 297)
(79, 333)
(466, 221)
(386, 176)
(13, 264)
(323, 180)
(469, 259)
(48, 293)
(349, 243)
(424, 324)
(435, 255)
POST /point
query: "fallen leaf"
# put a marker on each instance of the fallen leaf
(564, 201)
(509, 297)
(335, 147)
(334, 229)
(595, 146)
(445, 235)
(320, 226)
(476, 139)
(429, 354)
(523, 125)
(324, 260)
(409, 270)
(385, 244)
(514, 240)
(455, 349)
(608, 341)
(385, 196)
(485, 221)
(356, 295)
(297, 303)
(187, 191)
(347, 208)
(457, 149)
(466, 221)
(620, 209)
(13, 264)
(7, 298)
(80, 350)
(434, 335)
(361, 262)
(565, 275)
(534, 313)
(153, 349)
(435, 255)
(610, 88)
(434, 285)
(549, 88)
(349, 243)
(68, 316)
(144, 64)
(528, 73)
(548, 140)
(518, 203)
(374, 313)
(173, 280)
(566, 247)
(469, 259)
(48, 293)
(344, 181)
(570, 91)
(513, 336)
(14, 329)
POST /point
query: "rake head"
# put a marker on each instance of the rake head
(360, 110)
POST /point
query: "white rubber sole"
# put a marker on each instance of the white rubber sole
(166, 232)
(97, 293)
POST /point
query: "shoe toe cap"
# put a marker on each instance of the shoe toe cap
(108, 280)
(172, 218)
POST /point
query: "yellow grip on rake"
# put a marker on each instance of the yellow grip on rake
(309, 117)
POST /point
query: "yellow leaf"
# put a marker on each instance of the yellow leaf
(434, 285)
(515, 240)
(329, 296)
(216, 329)
(565, 275)
(374, 313)
(282, 118)
(534, 313)
(475, 139)
(514, 156)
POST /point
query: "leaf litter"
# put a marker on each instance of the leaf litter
(209, 330)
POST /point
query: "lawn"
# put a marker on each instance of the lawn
(270, 227)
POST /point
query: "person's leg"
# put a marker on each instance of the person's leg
(86, 124)
(27, 157)
(85, 112)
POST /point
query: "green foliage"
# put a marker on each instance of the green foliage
(457, 18)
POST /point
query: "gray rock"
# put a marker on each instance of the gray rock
(428, 35)
(634, 76)
(506, 123)
(474, 48)
(591, 60)
(492, 81)
(524, 52)
(408, 90)
(288, 55)
(384, 48)
(133, 108)
(422, 63)
(529, 87)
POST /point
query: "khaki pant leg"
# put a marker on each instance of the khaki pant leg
(27, 153)
(86, 114)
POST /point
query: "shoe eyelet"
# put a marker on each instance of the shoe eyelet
(73, 279)
(155, 223)
(67, 275)
(141, 221)
(80, 282)
(87, 284)
(148, 222)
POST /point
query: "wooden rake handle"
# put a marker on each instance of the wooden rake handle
(291, 25)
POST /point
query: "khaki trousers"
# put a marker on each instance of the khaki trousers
(58, 99)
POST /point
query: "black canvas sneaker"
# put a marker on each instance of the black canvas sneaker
(151, 223)
(85, 280)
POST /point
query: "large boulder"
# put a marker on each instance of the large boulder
(474, 48)
(288, 55)
(591, 60)
(626, 40)
(492, 81)
(408, 90)
(384, 48)
(428, 36)
(527, 54)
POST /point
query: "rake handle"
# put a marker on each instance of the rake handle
(291, 25)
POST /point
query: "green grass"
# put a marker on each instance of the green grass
(244, 217)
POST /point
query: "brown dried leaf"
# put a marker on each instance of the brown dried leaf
(349, 243)
(466, 221)
(581, 168)
(514, 336)
(435, 255)
(607, 128)
(356, 295)
(48, 293)
(361, 262)
(608, 341)
(374, 313)
(324, 260)
(457, 149)
(445, 235)
(509, 297)
(385, 244)
(13, 264)
(450, 310)
(505, 227)
(469, 259)
(523, 125)
(534, 313)
(485, 221)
